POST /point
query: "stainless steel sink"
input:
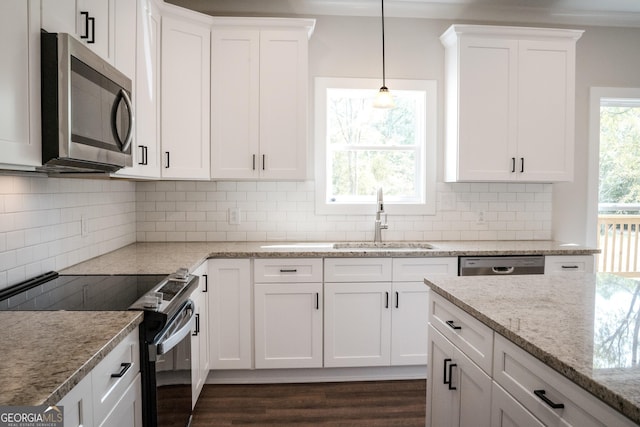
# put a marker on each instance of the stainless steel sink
(384, 245)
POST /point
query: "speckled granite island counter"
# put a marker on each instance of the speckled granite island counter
(581, 325)
(165, 258)
(46, 353)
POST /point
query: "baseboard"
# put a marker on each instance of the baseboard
(270, 376)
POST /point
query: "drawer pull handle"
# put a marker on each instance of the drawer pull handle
(317, 300)
(292, 270)
(448, 369)
(397, 300)
(570, 267)
(451, 325)
(124, 367)
(542, 395)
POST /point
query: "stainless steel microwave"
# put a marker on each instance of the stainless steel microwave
(87, 113)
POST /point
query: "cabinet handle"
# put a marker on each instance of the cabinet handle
(197, 331)
(86, 25)
(146, 155)
(397, 299)
(290, 270)
(168, 160)
(253, 167)
(521, 164)
(513, 165)
(451, 325)
(386, 304)
(92, 21)
(264, 161)
(206, 283)
(542, 395)
(570, 267)
(124, 367)
(448, 369)
(317, 301)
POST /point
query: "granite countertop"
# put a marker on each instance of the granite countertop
(579, 324)
(46, 353)
(165, 258)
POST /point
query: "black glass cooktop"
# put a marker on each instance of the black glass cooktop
(77, 292)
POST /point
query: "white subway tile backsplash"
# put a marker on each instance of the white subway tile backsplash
(40, 222)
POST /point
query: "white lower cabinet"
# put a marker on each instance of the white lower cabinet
(200, 361)
(458, 390)
(409, 320)
(508, 412)
(479, 378)
(288, 325)
(230, 312)
(111, 393)
(288, 312)
(538, 388)
(357, 324)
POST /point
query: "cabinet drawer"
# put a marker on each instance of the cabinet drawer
(520, 374)
(415, 269)
(468, 334)
(284, 270)
(357, 270)
(569, 264)
(123, 360)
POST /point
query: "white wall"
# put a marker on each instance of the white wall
(605, 57)
(40, 221)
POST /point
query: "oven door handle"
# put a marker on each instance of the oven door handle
(183, 329)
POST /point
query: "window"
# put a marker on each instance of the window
(360, 148)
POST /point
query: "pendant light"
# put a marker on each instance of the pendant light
(383, 98)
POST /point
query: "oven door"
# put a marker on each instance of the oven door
(172, 350)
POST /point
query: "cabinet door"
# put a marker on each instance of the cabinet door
(20, 140)
(410, 317)
(230, 308)
(95, 25)
(357, 324)
(185, 98)
(507, 412)
(440, 397)
(288, 325)
(128, 411)
(460, 392)
(200, 336)
(78, 404)
(59, 16)
(283, 104)
(235, 89)
(487, 97)
(546, 96)
(146, 152)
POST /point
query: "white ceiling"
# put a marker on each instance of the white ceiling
(578, 12)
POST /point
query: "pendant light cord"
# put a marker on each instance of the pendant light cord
(383, 71)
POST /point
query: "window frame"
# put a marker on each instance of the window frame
(428, 162)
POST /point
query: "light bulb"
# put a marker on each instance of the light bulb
(384, 99)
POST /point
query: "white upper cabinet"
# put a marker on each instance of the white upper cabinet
(509, 103)
(91, 21)
(259, 95)
(185, 95)
(146, 147)
(20, 140)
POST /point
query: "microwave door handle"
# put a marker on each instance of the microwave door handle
(129, 138)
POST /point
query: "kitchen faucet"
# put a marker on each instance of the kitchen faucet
(379, 225)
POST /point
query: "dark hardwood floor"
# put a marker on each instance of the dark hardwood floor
(367, 403)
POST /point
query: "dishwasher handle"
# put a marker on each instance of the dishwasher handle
(503, 270)
(176, 330)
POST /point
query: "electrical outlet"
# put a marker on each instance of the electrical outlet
(480, 219)
(234, 216)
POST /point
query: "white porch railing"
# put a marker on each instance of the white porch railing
(619, 241)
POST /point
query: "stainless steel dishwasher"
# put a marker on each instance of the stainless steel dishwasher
(500, 265)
